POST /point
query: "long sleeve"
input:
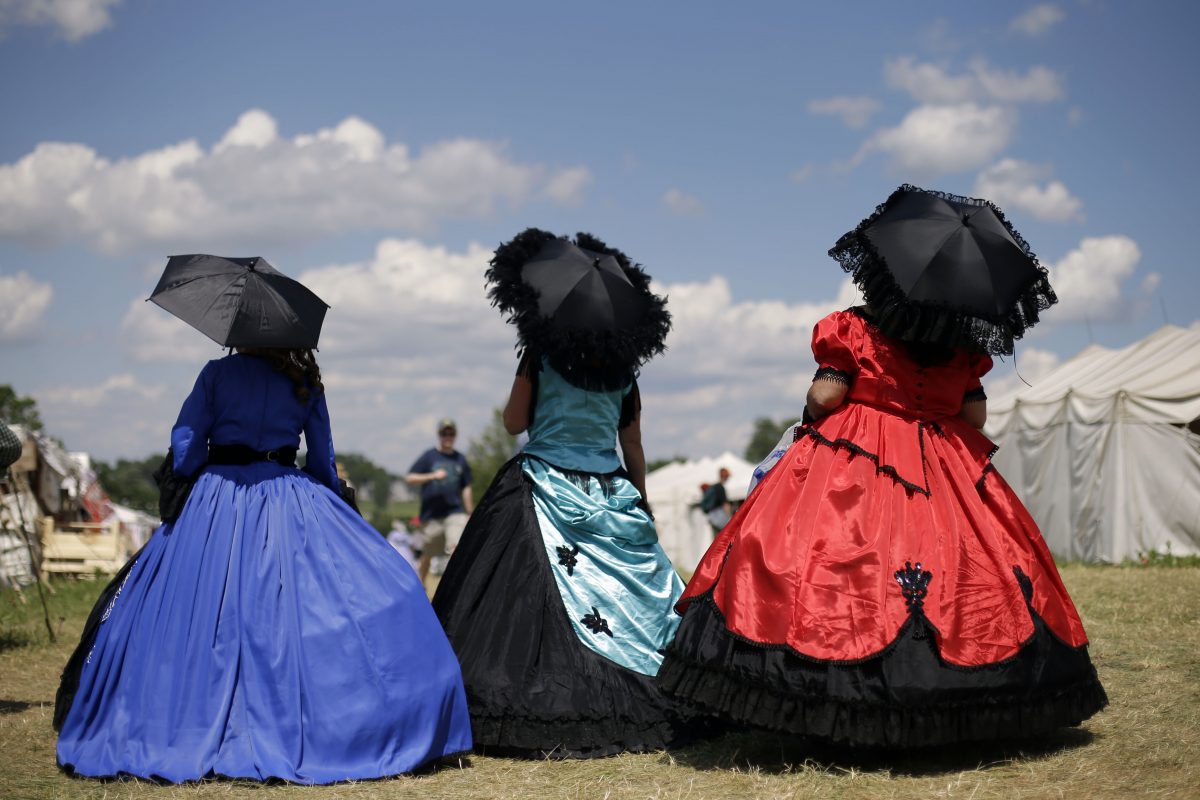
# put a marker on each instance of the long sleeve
(189, 437)
(318, 438)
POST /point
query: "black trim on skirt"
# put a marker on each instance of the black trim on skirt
(69, 682)
(903, 697)
(533, 688)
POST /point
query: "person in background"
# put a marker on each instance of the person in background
(715, 502)
(401, 538)
(444, 477)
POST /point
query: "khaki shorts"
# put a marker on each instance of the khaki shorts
(441, 535)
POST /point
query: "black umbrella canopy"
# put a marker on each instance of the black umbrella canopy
(582, 305)
(945, 269)
(582, 290)
(240, 302)
(949, 253)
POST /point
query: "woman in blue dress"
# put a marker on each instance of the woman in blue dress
(558, 598)
(268, 632)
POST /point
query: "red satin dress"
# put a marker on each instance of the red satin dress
(884, 525)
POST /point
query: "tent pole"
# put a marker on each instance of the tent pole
(33, 565)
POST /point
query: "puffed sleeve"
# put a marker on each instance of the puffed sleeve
(189, 437)
(318, 438)
(978, 365)
(835, 345)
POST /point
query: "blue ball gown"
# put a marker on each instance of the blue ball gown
(269, 632)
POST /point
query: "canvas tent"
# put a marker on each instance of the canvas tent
(1105, 450)
(674, 491)
(52, 503)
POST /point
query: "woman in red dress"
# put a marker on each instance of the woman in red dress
(883, 585)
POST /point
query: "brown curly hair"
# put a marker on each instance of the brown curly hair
(300, 365)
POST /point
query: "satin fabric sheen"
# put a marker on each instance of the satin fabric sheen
(269, 632)
(266, 633)
(810, 559)
(615, 567)
(534, 689)
(573, 428)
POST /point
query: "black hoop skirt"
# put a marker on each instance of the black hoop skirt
(533, 689)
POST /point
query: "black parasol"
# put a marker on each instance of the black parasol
(240, 302)
(581, 304)
(946, 269)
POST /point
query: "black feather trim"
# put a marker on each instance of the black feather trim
(592, 360)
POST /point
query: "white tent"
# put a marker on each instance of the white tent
(1105, 450)
(674, 491)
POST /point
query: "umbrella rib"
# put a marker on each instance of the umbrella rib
(186, 281)
(237, 307)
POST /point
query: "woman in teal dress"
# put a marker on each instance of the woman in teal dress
(558, 599)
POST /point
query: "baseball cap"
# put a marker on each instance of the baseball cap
(443, 424)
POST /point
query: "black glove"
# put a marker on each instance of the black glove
(348, 494)
(173, 490)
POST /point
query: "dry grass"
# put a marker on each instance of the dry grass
(1145, 629)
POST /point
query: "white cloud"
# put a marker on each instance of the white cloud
(1088, 279)
(939, 37)
(1037, 20)
(935, 84)
(855, 112)
(567, 186)
(256, 128)
(803, 173)
(682, 204)
(92, 396)
(256, 188)
(73, 19)
(1027, 367)
(411, 337)
(728, 363)
(152, 334)
(1013, 184)
(933, 140)
(121, 416)
(23, 302)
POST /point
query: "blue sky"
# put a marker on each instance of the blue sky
(380, 150)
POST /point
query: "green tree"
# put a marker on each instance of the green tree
(659, 463)
(19, 410)
(372, 482)
(488, 453)
(131, 482)
(766, 433)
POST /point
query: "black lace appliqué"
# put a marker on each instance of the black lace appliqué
(596, 623)
(566, 557)
(831, 374)
(914, 583)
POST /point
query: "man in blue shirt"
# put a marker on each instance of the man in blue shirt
(445, 480)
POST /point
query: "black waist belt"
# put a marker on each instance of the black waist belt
(241, 454)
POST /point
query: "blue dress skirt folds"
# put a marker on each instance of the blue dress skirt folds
(559, 599)
(269, 631)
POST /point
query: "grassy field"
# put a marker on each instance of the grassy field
(1144, 623)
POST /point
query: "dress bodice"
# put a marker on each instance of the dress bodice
(242, 399)
(882, 373)
(894, 402)
(574, 428)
